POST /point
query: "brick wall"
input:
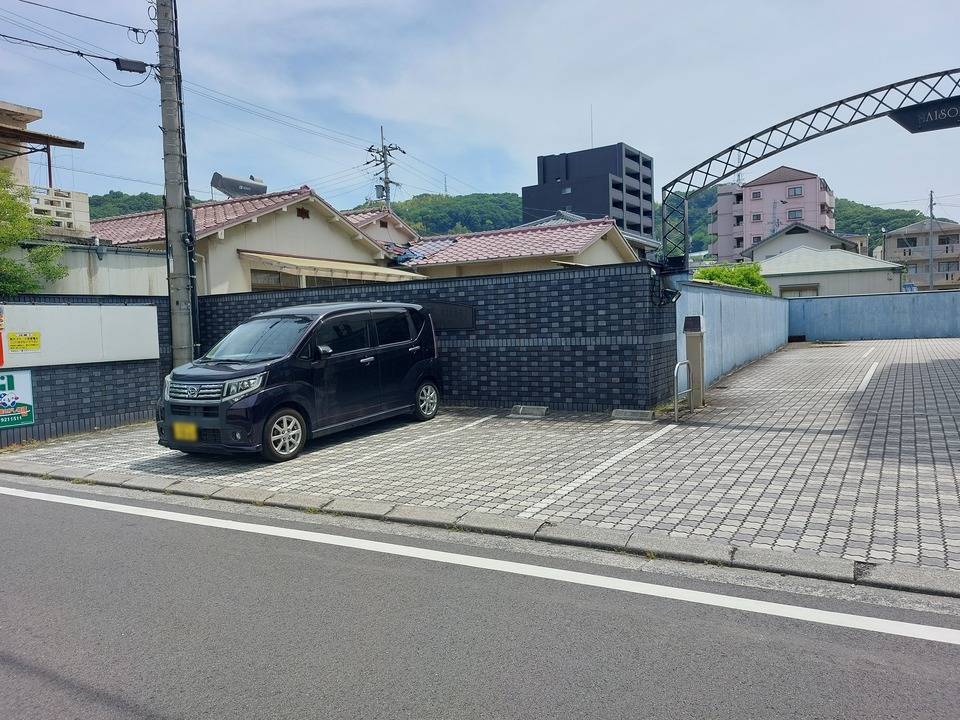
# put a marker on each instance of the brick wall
(588, 339)
(81, 397)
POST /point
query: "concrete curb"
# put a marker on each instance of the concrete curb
(894, 576)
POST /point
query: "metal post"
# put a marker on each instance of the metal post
(930, 243)
(386, 169)
(174, 205)
(49, 169)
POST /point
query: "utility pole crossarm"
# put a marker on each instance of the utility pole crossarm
(382, 156)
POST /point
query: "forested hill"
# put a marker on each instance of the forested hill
(442, 214)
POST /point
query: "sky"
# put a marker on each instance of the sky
(475, 91)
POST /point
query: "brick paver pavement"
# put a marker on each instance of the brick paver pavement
(799, 451)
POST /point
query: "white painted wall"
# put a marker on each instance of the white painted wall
(71, 334)
(861, 282)
(116, 273)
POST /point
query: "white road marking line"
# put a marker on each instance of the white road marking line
(868, 352)
(866, 378)
(562, 492)
(761, 607)
(392, 448)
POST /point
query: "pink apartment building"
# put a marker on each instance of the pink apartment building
(745, 214)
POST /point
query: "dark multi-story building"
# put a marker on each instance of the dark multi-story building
(613, 181)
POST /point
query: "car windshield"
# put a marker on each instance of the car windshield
(264, 338)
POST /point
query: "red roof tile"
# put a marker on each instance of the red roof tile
(207, 218)
(569, 239)
(362, 216)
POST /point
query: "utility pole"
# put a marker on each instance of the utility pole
(381, 156)
(930, 243)
(177, 214)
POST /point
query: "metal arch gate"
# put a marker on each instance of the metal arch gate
(812, 124)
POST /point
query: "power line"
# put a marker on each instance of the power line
(277, 112)
(86, 17)
(67, 51)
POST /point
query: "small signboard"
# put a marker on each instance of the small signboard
(16, 399)
(935, 115)
(23, 341)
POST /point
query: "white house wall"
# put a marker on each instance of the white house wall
(281, 233)
(841, 283)
(783, 243)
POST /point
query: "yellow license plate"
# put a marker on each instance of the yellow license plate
(184, 431)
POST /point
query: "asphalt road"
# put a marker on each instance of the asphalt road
(107, 615)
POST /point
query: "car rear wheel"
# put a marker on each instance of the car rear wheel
(426, 402)
(284, 435)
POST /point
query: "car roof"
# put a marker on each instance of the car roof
(322, 309)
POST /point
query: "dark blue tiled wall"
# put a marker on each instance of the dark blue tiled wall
(580, 339)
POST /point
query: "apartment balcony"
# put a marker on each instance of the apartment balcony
(828, 198)
(66, 212)
(941, 280)
(737, 207)
(712, 228)
(923, 252)
(616, 195)
(631, 182)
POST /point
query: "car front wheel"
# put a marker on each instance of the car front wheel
(284, 435)
(426, 402)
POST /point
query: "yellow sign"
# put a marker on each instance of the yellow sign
(23, 341)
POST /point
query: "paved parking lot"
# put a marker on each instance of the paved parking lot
(848, 450)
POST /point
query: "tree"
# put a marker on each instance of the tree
(743, 275)
(18, 224)
(446, 214)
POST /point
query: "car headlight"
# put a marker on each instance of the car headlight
(166, 386)
(236, 389)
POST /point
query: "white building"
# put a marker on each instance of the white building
(808, 272)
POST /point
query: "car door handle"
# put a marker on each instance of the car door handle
(414, 348)
(364, 361)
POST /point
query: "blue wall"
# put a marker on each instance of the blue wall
(740, 326)
(876, 317)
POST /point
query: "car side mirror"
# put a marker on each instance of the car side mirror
(324, 350)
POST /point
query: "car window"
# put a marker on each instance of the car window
(418, 321)
(263, 338)
(392, 327)
(344, 333)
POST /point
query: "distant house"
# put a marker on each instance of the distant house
(382, 225)
(280, 240)
(807, 272)
(909, 245)
(542, 245)
(797, 235)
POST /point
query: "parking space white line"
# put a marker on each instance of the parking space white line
(796, 612)
(366, 456)
(866, 378)
(562, 492)
(867, 353)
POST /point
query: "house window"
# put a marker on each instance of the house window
(948, 239)
(795, 191)
(797, 291)
(756, 239)
(303, 213)
(948, 267)
(756, 194)
(795, 214)
(384, 223)
(757, 217)
(261, 280)
(906, 242)
(566, 190)
(313, 281)
(917, 268)
(738, 243)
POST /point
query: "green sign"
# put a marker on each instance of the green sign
(16, 398)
